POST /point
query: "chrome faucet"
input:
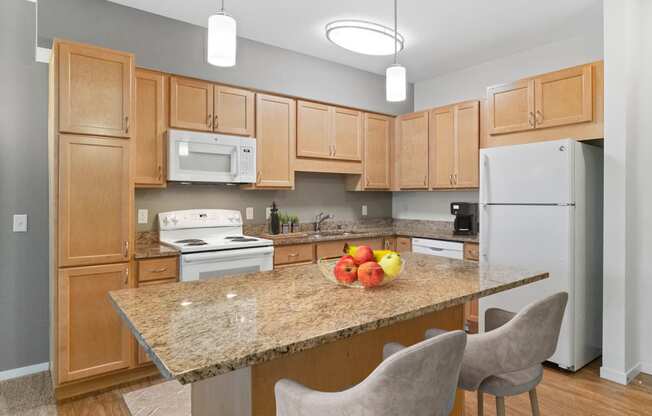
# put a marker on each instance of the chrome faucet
(321, 217)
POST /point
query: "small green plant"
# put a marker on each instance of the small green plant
(294, 219)
(283, 218)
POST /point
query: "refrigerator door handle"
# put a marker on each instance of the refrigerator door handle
(484, 186)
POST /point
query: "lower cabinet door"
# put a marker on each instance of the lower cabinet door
(92, 339)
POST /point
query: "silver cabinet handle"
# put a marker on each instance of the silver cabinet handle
(537, 119)
(161, 270)
(215, 123)
(126, 124)
(455, 179)
(530, 119)
(450, 179)
(125, 248)
(126, 281)
(293, 254)
(209, 121)
(436, 249)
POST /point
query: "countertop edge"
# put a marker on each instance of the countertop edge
(202, 373)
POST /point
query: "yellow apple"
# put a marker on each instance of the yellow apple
(391, 264)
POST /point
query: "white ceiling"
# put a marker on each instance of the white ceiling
(440, 35)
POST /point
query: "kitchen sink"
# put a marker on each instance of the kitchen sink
(331, 233)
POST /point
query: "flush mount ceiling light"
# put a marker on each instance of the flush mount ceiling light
(395, 75)
(221, 39)
(364, 37)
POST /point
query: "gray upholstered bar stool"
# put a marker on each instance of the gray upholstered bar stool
(506, 359)
(418, 381)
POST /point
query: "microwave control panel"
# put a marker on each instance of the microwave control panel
(247, 160)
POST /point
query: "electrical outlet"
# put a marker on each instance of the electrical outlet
(20, 223)
(268, 212)
(249, 213)
(364, 210)
(142, 216)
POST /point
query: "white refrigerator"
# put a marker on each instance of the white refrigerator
(541, 208)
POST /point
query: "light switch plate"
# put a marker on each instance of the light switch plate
(249, 213)
(142, 216)
(364, 210)
(20, 223)
(268, 212)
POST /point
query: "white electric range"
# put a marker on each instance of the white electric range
(212, 244)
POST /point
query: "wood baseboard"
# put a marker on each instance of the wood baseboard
(98, 384)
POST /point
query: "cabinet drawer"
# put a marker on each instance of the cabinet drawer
(299, 253)
(158, 269)
(330, 249)
(471, 251)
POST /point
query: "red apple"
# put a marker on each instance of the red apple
(345, 257)
(370, 274)
(363, 254)
(345, 270)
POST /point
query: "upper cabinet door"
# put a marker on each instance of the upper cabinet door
(94, 200)
(467, 140)
(347, 134)
(413, 151)
(275, 141)
(377, 139)
(511, 107)
(191, 104)
(234, 111)
(151, 127)
(92, 339)
(564, 97)
(314, 130)
(442, 147)
(95, 90)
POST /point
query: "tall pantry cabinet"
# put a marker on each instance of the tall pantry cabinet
(91, 125)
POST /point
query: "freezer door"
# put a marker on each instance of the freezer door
(537, 238)
(536, 173)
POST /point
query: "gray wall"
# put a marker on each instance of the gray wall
(315, 192)
(178, 47)
(23, 189)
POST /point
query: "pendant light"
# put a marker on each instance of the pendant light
(221, 39)
(395, 75)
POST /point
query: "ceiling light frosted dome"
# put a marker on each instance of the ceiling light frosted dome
(364, 37)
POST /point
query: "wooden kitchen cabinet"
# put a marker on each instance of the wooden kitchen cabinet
(413, 150)
(403, 244)
(510, 107)
(314, 130)
(95, 87)
(347, 134)
(555, 99)
(92, 339)
(234, 111)
(467, 145)
(94, 200)
(150, 129)
(455, 145)
(294, 254)
(442, 147)
(471, 253)
(334, 249)
(377, 151)
(390, 243)
(328, 132)
(563, 97)
(191, 104)
(275, 141)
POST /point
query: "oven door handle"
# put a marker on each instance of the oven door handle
(227, 254)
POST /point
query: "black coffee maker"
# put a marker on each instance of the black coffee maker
(466, 218)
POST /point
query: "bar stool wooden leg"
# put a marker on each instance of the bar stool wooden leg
(500, 406)
(534, 402)
(480, 403)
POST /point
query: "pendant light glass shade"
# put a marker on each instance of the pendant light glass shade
(395, 83)
(221, 40)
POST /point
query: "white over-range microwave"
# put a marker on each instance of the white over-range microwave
(210, 157)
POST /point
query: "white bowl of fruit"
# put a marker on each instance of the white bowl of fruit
(362, 267)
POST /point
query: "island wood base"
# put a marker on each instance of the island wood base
(330, 367)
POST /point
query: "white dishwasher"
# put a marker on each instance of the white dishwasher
(439, 248)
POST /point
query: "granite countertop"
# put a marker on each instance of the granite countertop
(153, 249)
(196, 330)
(310, 237)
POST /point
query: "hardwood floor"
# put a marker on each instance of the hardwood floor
(560, 394)
(581, 394)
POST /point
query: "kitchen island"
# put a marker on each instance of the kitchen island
(234, 337)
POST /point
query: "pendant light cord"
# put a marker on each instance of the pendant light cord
(395, 32)
(222, 6)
